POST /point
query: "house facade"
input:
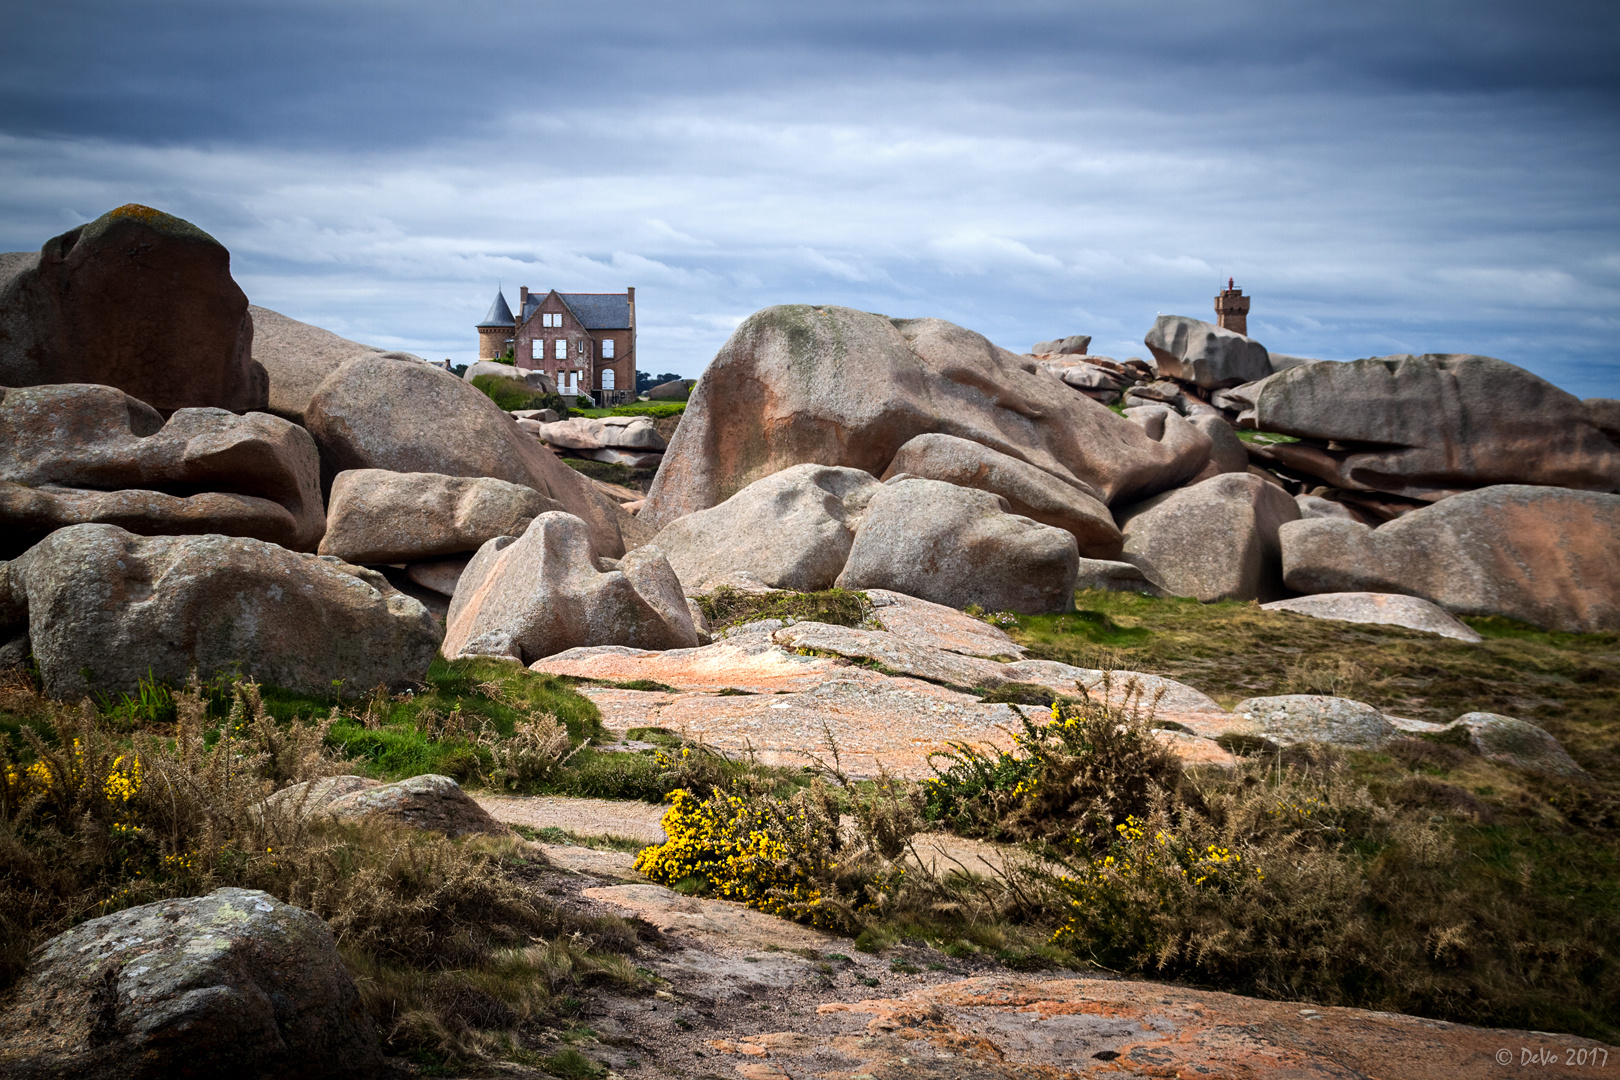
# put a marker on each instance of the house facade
(586, 342)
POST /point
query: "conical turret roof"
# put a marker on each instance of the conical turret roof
(499, 313)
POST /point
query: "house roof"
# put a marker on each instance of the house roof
(499, 313)
(595, 311)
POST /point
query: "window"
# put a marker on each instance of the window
(539, 349)
(561, 351)
(607, 378)
(607, 348)
(551, 318)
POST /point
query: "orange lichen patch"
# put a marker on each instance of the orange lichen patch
(137, 212)
(758, 1071)
(1045, 1009)
(747, 1049)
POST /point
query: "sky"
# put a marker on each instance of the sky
(1431, 176)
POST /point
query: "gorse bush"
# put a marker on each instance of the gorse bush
(1081, 771)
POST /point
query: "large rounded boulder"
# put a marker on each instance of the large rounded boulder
(797, 384)
(1547, 556)
(137, 299)
(959, 546)
(1215, 540)
(377, 516)
(232, 984)
(107, 608)
(410, 417)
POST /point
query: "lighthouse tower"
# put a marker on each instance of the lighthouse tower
(1232, 310)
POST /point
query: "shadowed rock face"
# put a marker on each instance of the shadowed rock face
(958, 546)
(136, 299)
(833, 386)
(72, 454)
(1216, 540)
(1542, 555)
(406, 416)
(538, 594)
(105, 601)
(1428, 426)
(234, 983)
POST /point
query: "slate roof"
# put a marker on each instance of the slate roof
(600, 311)
(499, 313)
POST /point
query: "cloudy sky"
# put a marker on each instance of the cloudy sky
(1380, 177)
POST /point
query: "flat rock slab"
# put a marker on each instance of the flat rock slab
(596, 863)
(582, 817)
(741, 927)
(894, 653)
(1116, 686)
(876, 720)
(1297, 718)
(922, 622)
(1387, 609)
(1004, 1027)
(757, 666)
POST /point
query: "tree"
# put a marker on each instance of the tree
(646, 381)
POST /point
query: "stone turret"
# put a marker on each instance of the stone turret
(495, 332)
(1232, 310)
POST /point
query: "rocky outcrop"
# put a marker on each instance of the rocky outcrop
(377, 516)
(832, 386)
(441, 575)
(1429, 426)
(1226, 453)
(1204, 354)
(429, 802)
(958, 546)
(1216, 540)
(792, 530)
(1113, 576)
(106, 608)
(1542, 555)
(935, 626)
(541, 593)
(136, 299)
(1297, 718)
(538, 381)
(1385, 609)
(74, 454)
(1073, 345)
(1515, 743)
(234, 983)
(675, 389)
(1030, 492)
(606, 433)
(410, 417)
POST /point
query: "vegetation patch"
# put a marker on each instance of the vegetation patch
(655, 409)
(726, 607)
(512, 394)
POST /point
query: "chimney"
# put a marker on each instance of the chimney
(523, 301)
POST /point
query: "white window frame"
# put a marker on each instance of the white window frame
(538, 350)
(560, 350)
(607, 348)
(607, 378)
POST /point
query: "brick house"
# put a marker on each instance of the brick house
(585, 341)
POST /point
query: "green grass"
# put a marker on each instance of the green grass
(513, 393)
(654, 409)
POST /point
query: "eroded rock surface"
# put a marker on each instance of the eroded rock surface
(541, 593)
(234, 983)
(1295, 718)
(1205, 354)
(107, 607)
(76, 454)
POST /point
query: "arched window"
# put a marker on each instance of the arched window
(607, 378)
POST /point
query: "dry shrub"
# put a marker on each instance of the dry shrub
(536, 750)
(1333, 676)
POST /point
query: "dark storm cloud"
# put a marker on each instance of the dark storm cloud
(1383, 177)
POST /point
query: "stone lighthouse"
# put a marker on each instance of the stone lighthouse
(1232, 310)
